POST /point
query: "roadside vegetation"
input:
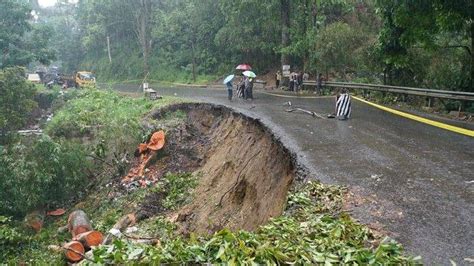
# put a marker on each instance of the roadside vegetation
(313, 230)
(78, 159)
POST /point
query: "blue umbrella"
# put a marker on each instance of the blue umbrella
(228, 79)
(249, 74)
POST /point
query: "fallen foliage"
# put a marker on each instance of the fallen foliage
(310, 232)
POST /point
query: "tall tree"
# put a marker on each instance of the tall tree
(143, 14)
(433, 18)
(22, 42)
(16, 99)
(285, 29)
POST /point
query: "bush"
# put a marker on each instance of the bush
(39, 174)
(10, 238)
(16, 100)
(110, 123)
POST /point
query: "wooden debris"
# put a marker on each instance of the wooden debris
(35, 220)
(305, 111)
(121, 224)
(74, 251)
(143, 240)
(147, 153)
(78, 223)
(90, 239)
(57, 212)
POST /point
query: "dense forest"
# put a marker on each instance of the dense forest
(411, 43)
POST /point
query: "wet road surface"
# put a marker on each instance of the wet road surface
(412, 180)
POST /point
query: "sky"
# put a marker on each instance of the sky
(46, 3)
(50, 3)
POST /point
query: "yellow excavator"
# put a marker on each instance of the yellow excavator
(84, 78)
(80, 79)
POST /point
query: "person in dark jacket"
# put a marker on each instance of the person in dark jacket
(278, 79)
(291, 84)
(240, 87)
(319, 84)
(229, 90)
(299, 81)
(248, 94)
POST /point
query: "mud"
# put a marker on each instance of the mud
(244, 171)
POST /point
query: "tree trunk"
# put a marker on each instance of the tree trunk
(74, 251)
(285, 29)
(143, 31)
(108, 49)
(285, 37)
(314, 11)
(472, 56)
(78, 223)
(305, 30)
(194, 61)
(90, 239)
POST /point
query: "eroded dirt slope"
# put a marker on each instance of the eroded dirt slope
(244, 172)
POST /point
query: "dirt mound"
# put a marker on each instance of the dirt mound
(245, 173)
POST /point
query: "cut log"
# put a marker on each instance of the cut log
(78, 223)
(125, 221)
(120, 225)
(74, 251)
(35, 220)
(57, 212)
(90, 239)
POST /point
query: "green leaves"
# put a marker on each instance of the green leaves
(36, 174)
(21, 41)
(10, 238)
(16, 99)
(307, 234)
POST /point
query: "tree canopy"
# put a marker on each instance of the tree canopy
(21, 40)
(418, 43)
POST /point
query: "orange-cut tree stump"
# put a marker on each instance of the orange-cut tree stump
(90, 239)
(73, 251)
(78, 223)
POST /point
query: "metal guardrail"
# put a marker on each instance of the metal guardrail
(455, 95)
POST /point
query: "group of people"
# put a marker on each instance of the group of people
(245, 91)
(244, 88)
(295, 82)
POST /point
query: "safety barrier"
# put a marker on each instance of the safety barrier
(455, 95)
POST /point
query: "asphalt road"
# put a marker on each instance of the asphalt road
(414, 181)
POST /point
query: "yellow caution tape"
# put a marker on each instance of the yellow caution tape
(459, 130)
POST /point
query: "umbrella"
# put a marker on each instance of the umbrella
(228, 79)
(243, 67)
(249, 74)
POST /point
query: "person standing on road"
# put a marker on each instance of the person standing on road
(278, 79)
(319, 84)
(299, 80)
(229, 90)
(343, 105)
(248, 89)
(305, 76)
(292, 82)
(240, 88)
